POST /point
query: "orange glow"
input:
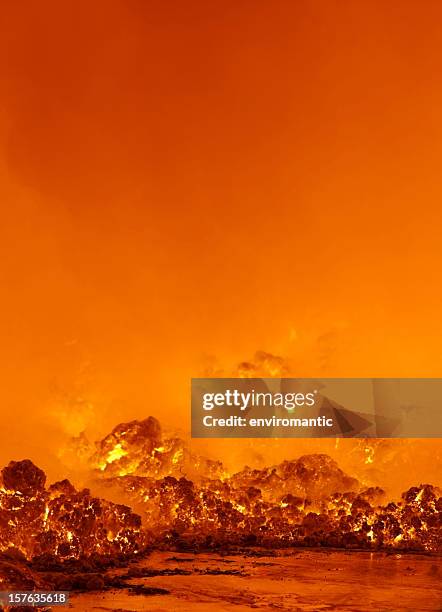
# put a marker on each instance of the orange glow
(183, 184)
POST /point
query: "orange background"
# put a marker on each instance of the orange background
(182, 180)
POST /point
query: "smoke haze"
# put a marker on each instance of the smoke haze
(185, 185)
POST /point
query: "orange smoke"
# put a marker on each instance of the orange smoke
(187, 180)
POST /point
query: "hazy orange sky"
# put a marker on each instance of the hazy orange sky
(183, 179)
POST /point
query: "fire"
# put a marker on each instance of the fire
(60, 520)
(184, 500)
(369, 455)
(113, 455)
(305, 501)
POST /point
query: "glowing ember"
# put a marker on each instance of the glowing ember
(61, 521)
(189, 501)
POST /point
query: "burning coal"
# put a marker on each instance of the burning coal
(178, 500)
(60, 520)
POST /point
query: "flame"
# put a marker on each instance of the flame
(116, 453)
(369, 455)
(419, 496)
